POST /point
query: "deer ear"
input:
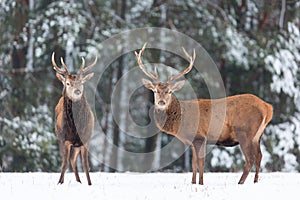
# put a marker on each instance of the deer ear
(148, 84)
(87, 77)
(61, 78)
(178, 85)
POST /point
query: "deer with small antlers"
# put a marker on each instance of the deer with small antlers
(74, 118)
(241, 119)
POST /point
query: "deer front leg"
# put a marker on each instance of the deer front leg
(200, 149)
(66, 148)
(85, 164)
(73, 159)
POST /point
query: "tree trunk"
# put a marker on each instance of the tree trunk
(18, 55)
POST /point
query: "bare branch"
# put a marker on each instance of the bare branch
(21, 71)
(282, 13)
(222, 12)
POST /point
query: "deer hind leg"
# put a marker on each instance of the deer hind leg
(194, 165)
(256, 147)
(66, 148)
(248, 152)
(247, 168)
(258, 156)
(200, 149)
(85, 163)
(73, 159)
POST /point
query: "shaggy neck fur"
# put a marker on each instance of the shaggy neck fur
(168, 120)
(74, 117)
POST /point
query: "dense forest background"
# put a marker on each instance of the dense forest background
(254, 43)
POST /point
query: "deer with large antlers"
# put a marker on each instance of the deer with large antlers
(74, 118)
(241, 119)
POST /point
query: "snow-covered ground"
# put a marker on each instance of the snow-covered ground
(156, 186)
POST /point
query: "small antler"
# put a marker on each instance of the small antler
(58, 69)
(85, 69)
(141, 65)
(192, 59)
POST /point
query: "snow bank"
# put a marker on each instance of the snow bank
(148, 186)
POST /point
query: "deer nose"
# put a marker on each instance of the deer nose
(77, 92)
(161, 103)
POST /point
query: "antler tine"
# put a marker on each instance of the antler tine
(58, 69)
(191, 58)
(155, 71)
(64, 65)
(141, 65)
(82, 67)
(83, 63)
(85, 69)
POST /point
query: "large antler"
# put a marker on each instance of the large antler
(192, 59)
(58, 69)
(85, 69)
(141, 65)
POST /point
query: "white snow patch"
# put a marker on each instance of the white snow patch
(148, 186)
(236, 49)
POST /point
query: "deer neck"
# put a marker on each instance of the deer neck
(74, 111)
(168, 120)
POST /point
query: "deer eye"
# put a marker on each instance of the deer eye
(170, 92)
(68, 83)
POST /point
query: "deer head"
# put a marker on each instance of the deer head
(163, 90)
(73, 83)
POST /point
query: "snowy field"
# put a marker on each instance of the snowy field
(156, 186)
